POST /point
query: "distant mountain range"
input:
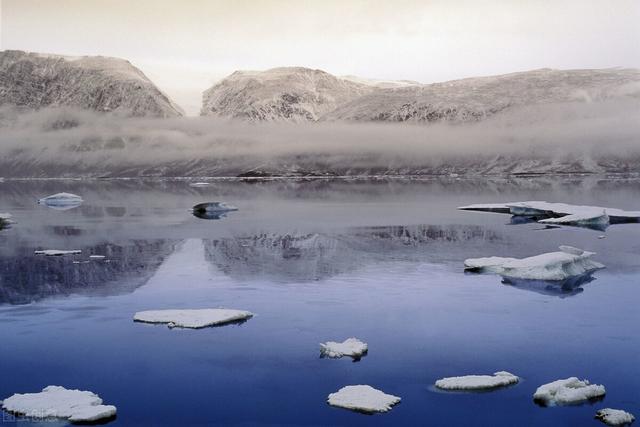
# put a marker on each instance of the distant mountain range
(297, 94)
(300, 94)
(34, 81)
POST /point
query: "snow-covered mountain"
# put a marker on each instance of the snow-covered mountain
(33, 80)
(293, 94)
(301, 94)
(477, 98)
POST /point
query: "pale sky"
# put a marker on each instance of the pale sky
(185, 46)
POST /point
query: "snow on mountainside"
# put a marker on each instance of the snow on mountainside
(300, 94)
(477, 98)
(34, 80)
(281, 94)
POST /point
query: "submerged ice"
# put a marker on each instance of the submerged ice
(58, 402)
(552, 266)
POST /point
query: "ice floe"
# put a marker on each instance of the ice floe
(560, 213)
(57, 252)
(552, 266)
(62, 200)
(362, 398)
(352, 347)
(199, 184)
(212, 210)
(193, 318)
(477, 382)
(568, 391)
(615, 417)
(58, 402)
(97, 256)
(5, 220)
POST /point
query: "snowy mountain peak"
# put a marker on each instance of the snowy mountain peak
(36, 80)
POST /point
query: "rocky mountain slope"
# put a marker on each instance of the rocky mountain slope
(34, 81)
(293, 94)
(300, 94)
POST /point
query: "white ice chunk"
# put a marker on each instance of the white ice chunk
(477, 382)
(615, 417)
(194, 318)
(5, 216)
(568, 391)
(58, 402)
(362, 398)
(350, 347)
(566, 263)
(56, 252)
(560, 213)
(61, 199)
(199, 184)
(97, 256)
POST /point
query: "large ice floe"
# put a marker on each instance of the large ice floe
(362, 398)
(615, 417)
(61, 201)
(560, 213)
(193, 318)
(57, 252)
(477, 382)
(568, 392)
(352, 347)
(552, 266)
(75, 406)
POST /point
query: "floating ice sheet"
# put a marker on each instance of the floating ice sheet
(193, 318)
(58, 402)
(352, 347)
(568, 391)
(362, 398)
(477, 382)
(57, 252)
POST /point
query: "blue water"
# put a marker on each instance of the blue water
(316, 261)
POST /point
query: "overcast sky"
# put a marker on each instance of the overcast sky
(185, 46)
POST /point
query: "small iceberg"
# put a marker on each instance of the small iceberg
(75, 406)
(615, 417)
(97, 256)
(199, 184)
(569, 391)
(5, 220)
(61, 201)
(351, 347)
(212, 210)
(194, 318)
(552, 266)
(477, 382)
(362, 398)
(56, 252)
(596, 217)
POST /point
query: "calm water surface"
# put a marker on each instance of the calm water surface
(316, 261)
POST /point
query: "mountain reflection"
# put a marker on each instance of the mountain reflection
(25, 277)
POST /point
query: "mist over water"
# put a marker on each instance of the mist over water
(572, 137)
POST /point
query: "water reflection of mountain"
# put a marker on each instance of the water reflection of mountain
(314, 256)
(25, 277)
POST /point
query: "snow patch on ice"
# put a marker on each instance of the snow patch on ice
(192, 318)
(58, 402)
(552, 266)
(352, 347)
(568, 391)
(615, 417)
(478, 382)
(362, 398)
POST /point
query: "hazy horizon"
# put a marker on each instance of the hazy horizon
(186, 48)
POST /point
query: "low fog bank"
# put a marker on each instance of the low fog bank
(563, 138)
